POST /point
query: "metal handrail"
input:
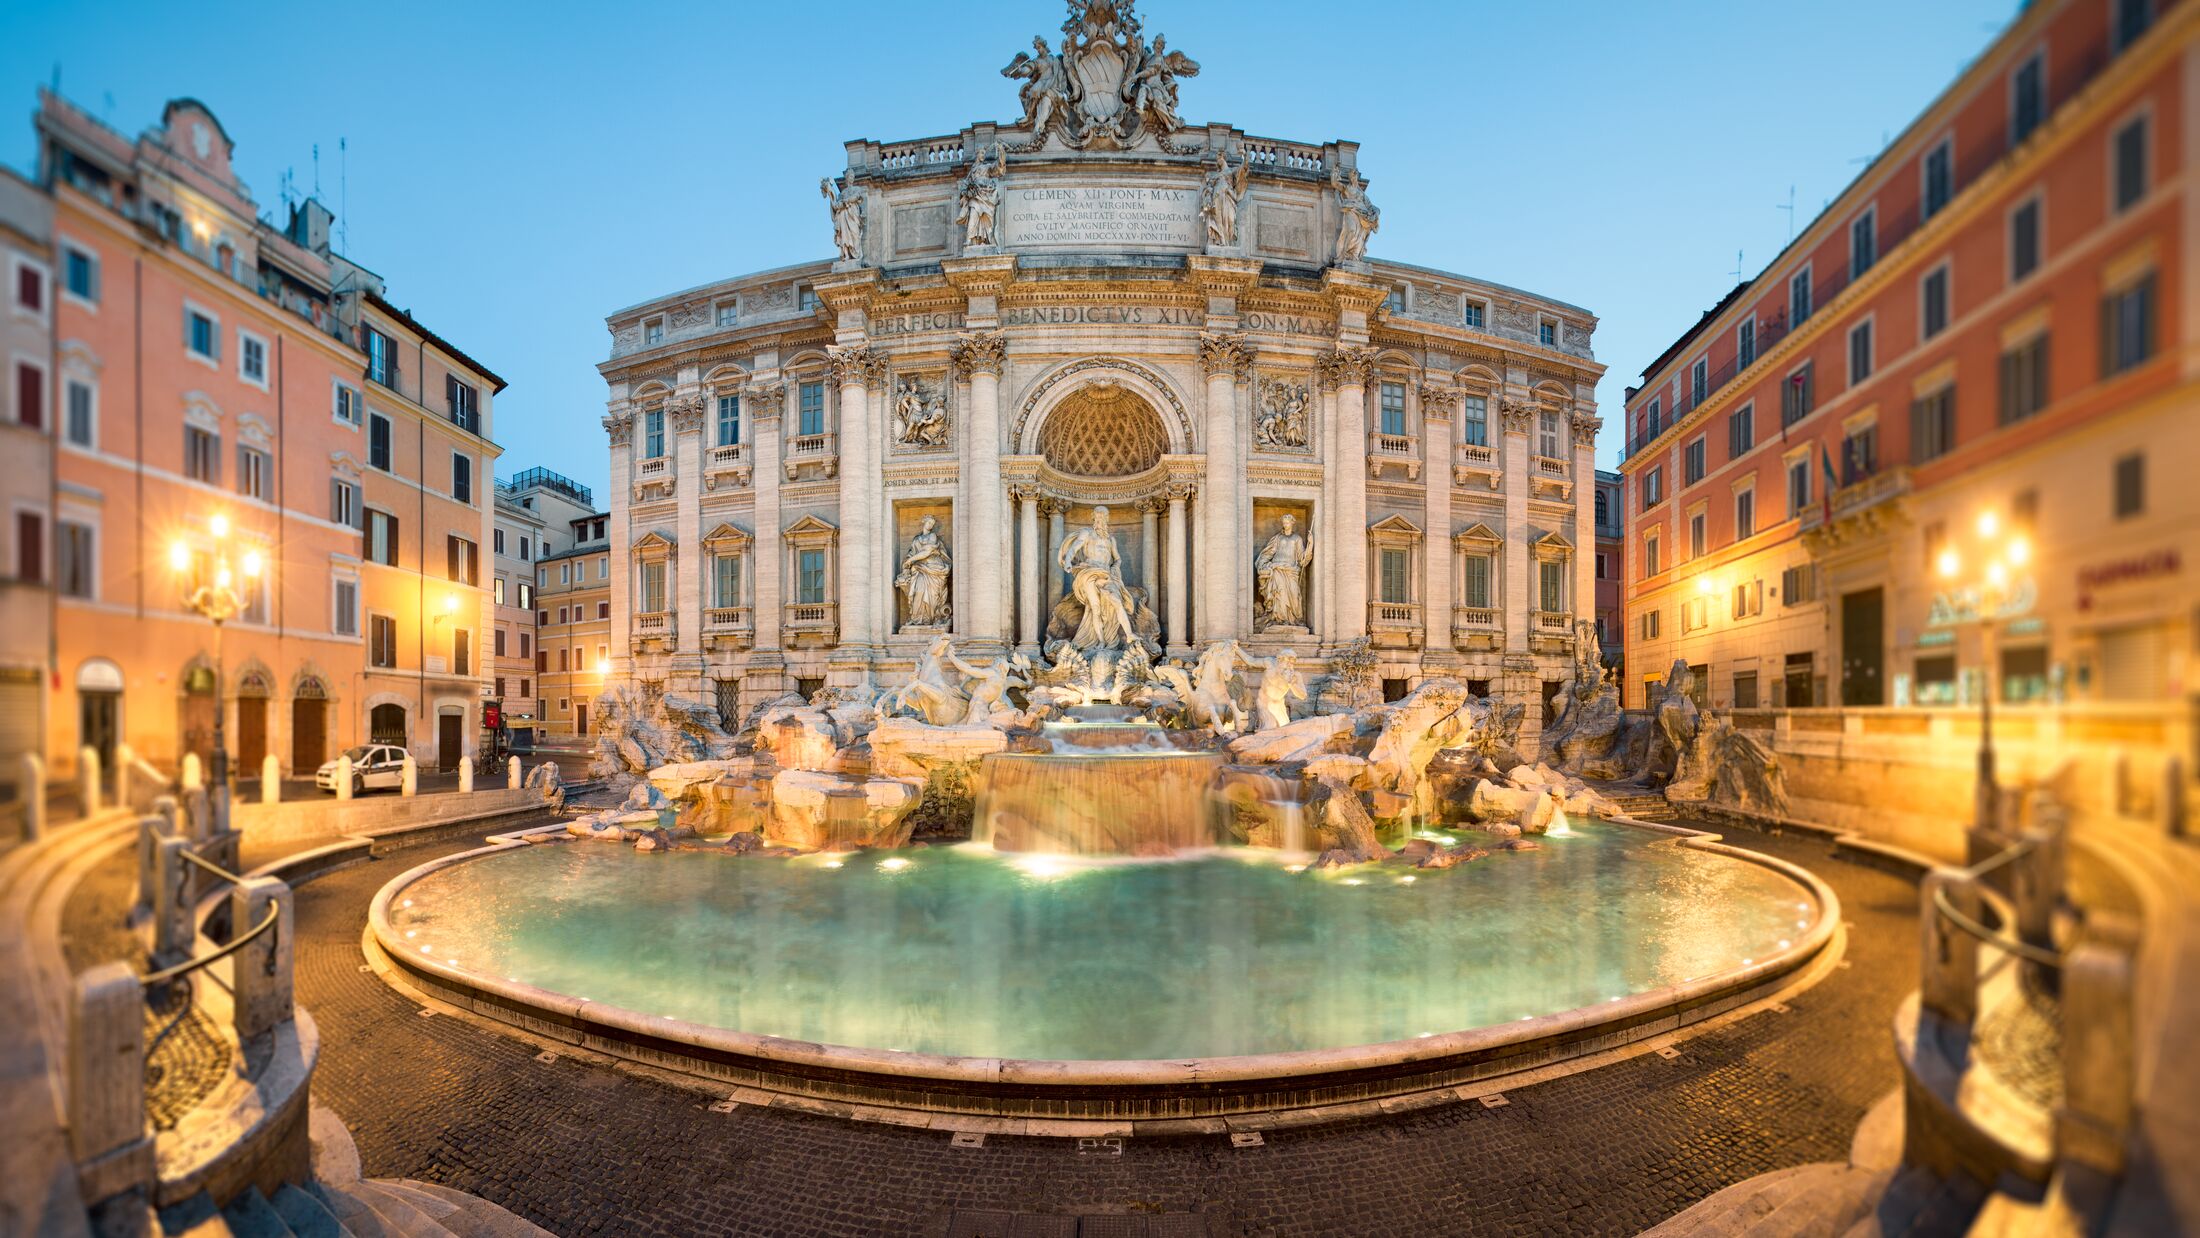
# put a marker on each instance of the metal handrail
(190, 965)
(2009, 943)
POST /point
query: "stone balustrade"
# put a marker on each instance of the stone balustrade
(654, 479)
(1271, 154)
(1401, 450)
(729, 627)
(1476, 463)
(923, 153)
(730, 464)
(1394, 625)
(811, 623)
(655, 627)
(821, 451)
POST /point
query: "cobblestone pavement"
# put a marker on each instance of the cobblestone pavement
(588, 1149)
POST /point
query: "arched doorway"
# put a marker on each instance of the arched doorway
(195, 726)
(253, 691)
(99, 708)
(386, 725)
(308, 725)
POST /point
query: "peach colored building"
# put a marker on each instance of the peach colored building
(213, 365)
(1991, 328)
(26, 483)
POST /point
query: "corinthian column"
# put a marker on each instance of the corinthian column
(981, 530)
(1027, 520)
(851, 369)
(1519, 596)
(1438, 404)
(1179, 576)
(762, 404)
(1054, 509)
(1226, 359)
(1585, 426)
(618, 428)
(1348, 368)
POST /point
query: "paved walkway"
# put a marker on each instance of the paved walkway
(583, 1148)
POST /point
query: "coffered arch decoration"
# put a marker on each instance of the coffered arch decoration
(1102, 429)
(1056, 389)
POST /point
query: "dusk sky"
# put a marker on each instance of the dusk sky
(516, 172)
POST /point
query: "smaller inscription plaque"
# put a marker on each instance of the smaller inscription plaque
(1090, 216)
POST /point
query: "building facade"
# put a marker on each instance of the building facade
(538, 513)
(1966, 390)
(574, 615)
(816, 471)
(26, 484)
(1611, 533)
(216, 368)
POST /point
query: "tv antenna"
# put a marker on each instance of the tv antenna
(343, 194)
(1789, 207)
(1737, 266)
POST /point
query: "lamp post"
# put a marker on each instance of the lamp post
(220, 594)
(1998, 558)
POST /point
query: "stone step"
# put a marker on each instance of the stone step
(356, 1216)
(477, 1217)
(306, 1215)
(398, 1214)
(251, 1216)
(196, 1217)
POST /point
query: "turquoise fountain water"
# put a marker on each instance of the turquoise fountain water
(966, 951)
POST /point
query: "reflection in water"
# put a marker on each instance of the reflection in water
(969, 952)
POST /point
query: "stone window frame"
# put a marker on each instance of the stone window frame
(727, 541)
(811, 532)
(656, 547)
(1395, 533)
(1554, 547)
(1700, 510)
(1745, 486)
(1478, 383)
(811, 368)
(1478, 539)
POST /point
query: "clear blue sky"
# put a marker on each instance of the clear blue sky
(516, 172)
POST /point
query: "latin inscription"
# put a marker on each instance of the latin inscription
(1073, 315)
(910, 324)
(1287, 324)
(1101, 215)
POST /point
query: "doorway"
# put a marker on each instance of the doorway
(1863, 650)
(251, 734)
(450, 736)
(308, 733)
(386, 725)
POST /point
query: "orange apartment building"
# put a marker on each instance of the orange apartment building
(1981, 357)
(208, 365)
(573, 617)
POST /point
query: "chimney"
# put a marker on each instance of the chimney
(309, 225)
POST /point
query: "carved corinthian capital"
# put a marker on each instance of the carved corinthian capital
(1519, 416)
(1586, 426)
(1439, 402)
(1225, 354)
(620, 428)
(981, 354)
(860, 366)
(687, 413)
(1346, 367)
(762, 401)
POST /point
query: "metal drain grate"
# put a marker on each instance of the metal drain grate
(967, 1139)
(1247, 1139)
(1668, 1052)
(1495, 1100)
(727, 1105)
(1105, 1146)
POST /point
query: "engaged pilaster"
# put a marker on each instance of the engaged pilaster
(981, 529)
(1227, 361)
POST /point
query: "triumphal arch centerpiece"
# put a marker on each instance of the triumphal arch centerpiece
(1097, 379)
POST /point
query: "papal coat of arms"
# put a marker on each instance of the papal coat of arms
(1105, 87)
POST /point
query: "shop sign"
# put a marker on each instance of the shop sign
(2149, 566)
(1965, 605)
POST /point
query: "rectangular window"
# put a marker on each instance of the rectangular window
(202, 456)
(344, 403)
(1394, 301)
(2127, 327)
(2131, 163)
(80, 414)
(1699, 536)
(1653, 487)
(1650, 556)
(462, 477)
(1476, 585)
(1397, 577)
(1860, 455)
(805, 299)
(30, 396)
(381, 641)
(2024, 240)
(500, 653)
(80, 274)
(251, 358)
(30, 289)
(1798, 585)
(1657, 415)
(1694, 458)
(653, 434)
(1933, 425)
(73, 560)
(345, 618)
(523, 692)
(2131, 21)
(253, 468)
(726, 314)
(201, 335)
(381, 538)
(1476, 420)
(496, 589)
(1745, 515)
(498, 540)
(1601, 566)
(378, 442)
(1863, 242)
(2131, 486)
(1551, 435)
(526, 647)
(1699, 381)
(1476, 315)
(1547, 333)
(464, 403)
(30, 546)
(1393, 408)
(603, 610)
(526, 596)
(1650, 625)
(1745, 689)
(1940, 178)
(2027, 97)
(524, 548)
(462, 652)
(1741, 431)
(810, 409)
(1749, 599)
(2024, 379)
(565, 573)
(565, 663)
(381, 353)
(726, 581)
(653, 587)
(1745, 344)
(343, 502)
(462, 561)
(1799, 306)
(1860, 352)
(1932, 315)
(810, 577)
(1798, 395)
(653, 331)
(1798, 486)
(1551, 576)
(729, 420)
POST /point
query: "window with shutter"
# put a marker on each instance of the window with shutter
(30, 396)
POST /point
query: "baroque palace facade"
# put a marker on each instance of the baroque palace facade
(817, 471)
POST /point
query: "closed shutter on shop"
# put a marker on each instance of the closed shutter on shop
(2133, 666)
(19, 729)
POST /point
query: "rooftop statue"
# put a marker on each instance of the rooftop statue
(847, 220)
(1105, 87)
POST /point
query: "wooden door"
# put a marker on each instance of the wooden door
(449, 741)
(308, 734)
(251, 735)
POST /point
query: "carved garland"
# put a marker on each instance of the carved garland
(1086, 366)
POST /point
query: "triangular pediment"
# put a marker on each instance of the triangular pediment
(1395, 524)
(1478, 534)
(811, 526)
(653, 540)
(727, 536)
(1553, 540)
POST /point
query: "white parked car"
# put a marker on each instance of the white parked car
(372, 765)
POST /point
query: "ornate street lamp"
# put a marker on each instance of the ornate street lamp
(1999, 558)
(220, 593)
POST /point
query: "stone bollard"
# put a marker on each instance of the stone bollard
(271, 780)
(106, 1105)
(511, 774)
(87, 780)
(2172, 806)
(171, 815)
(465, 777)
(152, 828)
(262, 973)
(193, 774)
(34, 797)
(343, 776)
(1948, 976)
(2098, 1058)
(173, 932)
(125, 774)
(411, 778)
(199, 814)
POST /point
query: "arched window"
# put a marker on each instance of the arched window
(386, 724)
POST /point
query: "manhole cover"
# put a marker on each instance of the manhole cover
(1106, 1145)
(1495, 1100)
(967, 1139)
(1247, 1139)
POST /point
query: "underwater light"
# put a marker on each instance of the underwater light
(894, 865)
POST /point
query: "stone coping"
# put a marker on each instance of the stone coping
(1135, 1089)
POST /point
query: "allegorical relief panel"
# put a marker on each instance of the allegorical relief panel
(920, 412)
(1285, 231)
(1283, 415)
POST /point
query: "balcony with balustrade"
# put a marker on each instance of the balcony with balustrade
(1868, 505)
(1476, 464)
(1552, 476)
(1476, 629)
(1551, 631)
(811, 625)
(819, 454)
(656, 630)
(728, 466)
(1393, 451)
(1394, 625)
(729, 627)
(654, 479)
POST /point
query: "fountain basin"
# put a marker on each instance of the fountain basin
(983, 984)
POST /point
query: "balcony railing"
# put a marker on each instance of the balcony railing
(1394, 624)
(730, 462)
(1851, 499)
(654, 623)
(727, 619)
(1553, 466)
(1550, 622)
(1399, 449)
(1478, 454)
(1271, 153)
(1475, 461)
(811, 623)
(1473, 617)
(818, 449)
(653, 475)
(924, 153)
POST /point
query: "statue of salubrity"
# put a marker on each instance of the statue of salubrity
(1280, 573)
(923, 579)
